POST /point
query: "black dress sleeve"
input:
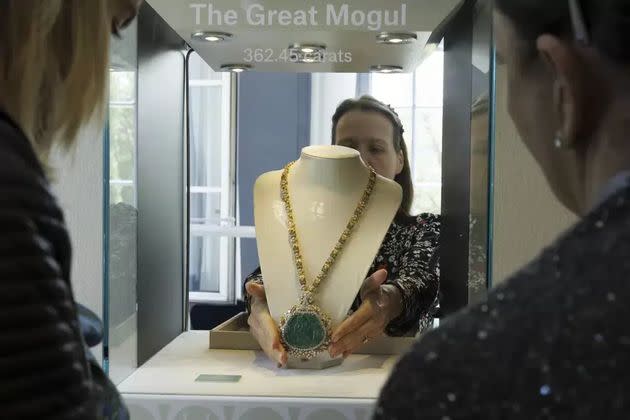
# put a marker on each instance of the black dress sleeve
(414, 270)
(255, 276)
(44, 372)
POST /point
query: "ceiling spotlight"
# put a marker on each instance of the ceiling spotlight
(306, 53)
(307, 48)
(236, 68)
(310, 59)
(396, 38)
(211, 36)
(381, 68)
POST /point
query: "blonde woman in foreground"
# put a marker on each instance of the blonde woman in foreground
(53, 70)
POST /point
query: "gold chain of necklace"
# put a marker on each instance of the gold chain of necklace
(293, 239)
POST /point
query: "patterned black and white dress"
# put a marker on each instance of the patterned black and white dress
(409, 253)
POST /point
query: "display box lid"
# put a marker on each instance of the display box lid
(234, 334)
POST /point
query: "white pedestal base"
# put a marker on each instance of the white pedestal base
(245, 385)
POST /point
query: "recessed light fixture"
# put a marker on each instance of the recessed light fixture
(306, 53)
(211, 36)
(307, 48)
(236, 68)
(382, 68)
(396, 38)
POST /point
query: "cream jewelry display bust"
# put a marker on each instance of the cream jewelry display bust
(305, 328)
(325, 184)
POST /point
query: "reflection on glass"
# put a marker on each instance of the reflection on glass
(479, 197)
(318, 210)
(481, 139)
(121, 269)
(122, 135)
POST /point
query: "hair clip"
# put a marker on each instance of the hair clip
(393, 110)
(398, 120)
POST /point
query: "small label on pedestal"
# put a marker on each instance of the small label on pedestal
(218, 378)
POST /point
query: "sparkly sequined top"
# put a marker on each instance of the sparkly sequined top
(552, 342)
(409, 253)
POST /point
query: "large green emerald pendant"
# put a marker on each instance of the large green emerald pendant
(305, 331)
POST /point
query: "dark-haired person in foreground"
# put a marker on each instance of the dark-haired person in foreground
(552, 342)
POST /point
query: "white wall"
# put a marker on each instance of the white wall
(78, 184)
(527, 216)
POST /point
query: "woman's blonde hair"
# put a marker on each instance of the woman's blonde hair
(53, 67)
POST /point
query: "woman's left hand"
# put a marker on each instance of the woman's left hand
(381, 304)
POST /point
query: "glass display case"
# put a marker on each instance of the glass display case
(121, 210)
(185, 142)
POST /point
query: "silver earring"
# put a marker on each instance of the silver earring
(558, 142)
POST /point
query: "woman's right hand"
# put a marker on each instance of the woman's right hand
(262, 325)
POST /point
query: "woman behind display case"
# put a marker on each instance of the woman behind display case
(400, 295)
(551, 342)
